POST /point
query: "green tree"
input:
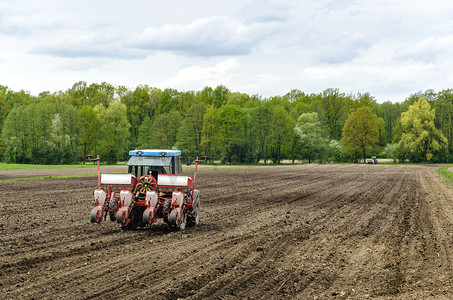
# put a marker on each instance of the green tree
(4, 111)
(58, 141)
(190, 131)
(261, 127)
(333, 104)
(206, 95)
(443, 106)
(185, 102)
(311, 144)
(159, 136)
(90, 126)
(114, 136)
(164, 129)
(141, 103)
(145, 131)
(360, 100)
(208, 138)
(362, 130)
(13, 135)
(174, 120)
(77, 94)
(229, 122)
(281, 133)
(71, 126)
(420, 137)
(389, 112)
(103, 93)
(169, 99)
(221, 94)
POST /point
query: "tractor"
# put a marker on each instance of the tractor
(153, 187)
(372, 161)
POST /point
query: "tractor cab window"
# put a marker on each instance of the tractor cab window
(138, 171)
(176, 162)
(142, 165)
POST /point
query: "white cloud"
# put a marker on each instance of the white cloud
(430, 50)
(212, 36)
(219, 74)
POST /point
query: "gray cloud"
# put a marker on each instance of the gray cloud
(73, 50)
(429, 51)
(215, 36)
(341, 49)
(265, 11)
(82, 44)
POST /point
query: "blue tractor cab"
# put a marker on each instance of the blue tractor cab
(154, 162)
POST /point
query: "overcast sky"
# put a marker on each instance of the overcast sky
(388, 48)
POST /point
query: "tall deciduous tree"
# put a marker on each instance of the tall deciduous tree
(190, 131)
(229, 121)
(114, 137)
(362, 130)
(390, 112)
(334, 105)
(309, 132)
(145, 131)
(282, 132)
(262, 116)
(89, 130)
(208, 138)
(221, 94)
(168, 100)
(419, 134)
(164, 130)
(444, 115)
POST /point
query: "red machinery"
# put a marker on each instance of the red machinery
(159, 193)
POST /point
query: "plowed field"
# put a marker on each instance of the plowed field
(302, 232)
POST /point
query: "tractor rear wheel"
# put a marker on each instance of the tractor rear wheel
(194, 219)
(112, 209)
(135, 219)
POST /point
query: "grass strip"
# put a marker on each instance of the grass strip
(4, 166)
(48, 177)
(446, 175)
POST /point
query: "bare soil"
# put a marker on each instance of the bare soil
(302, 232)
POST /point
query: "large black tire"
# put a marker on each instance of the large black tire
(112, 209)
(194, 219)
(166, 210)
(166, 207)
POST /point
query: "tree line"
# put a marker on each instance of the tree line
(218, 124)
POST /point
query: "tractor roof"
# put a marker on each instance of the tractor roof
(154, 152)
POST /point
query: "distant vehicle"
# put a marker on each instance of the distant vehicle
(372, 161)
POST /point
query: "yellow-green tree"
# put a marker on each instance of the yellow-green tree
(362, 130)
(419, 134)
